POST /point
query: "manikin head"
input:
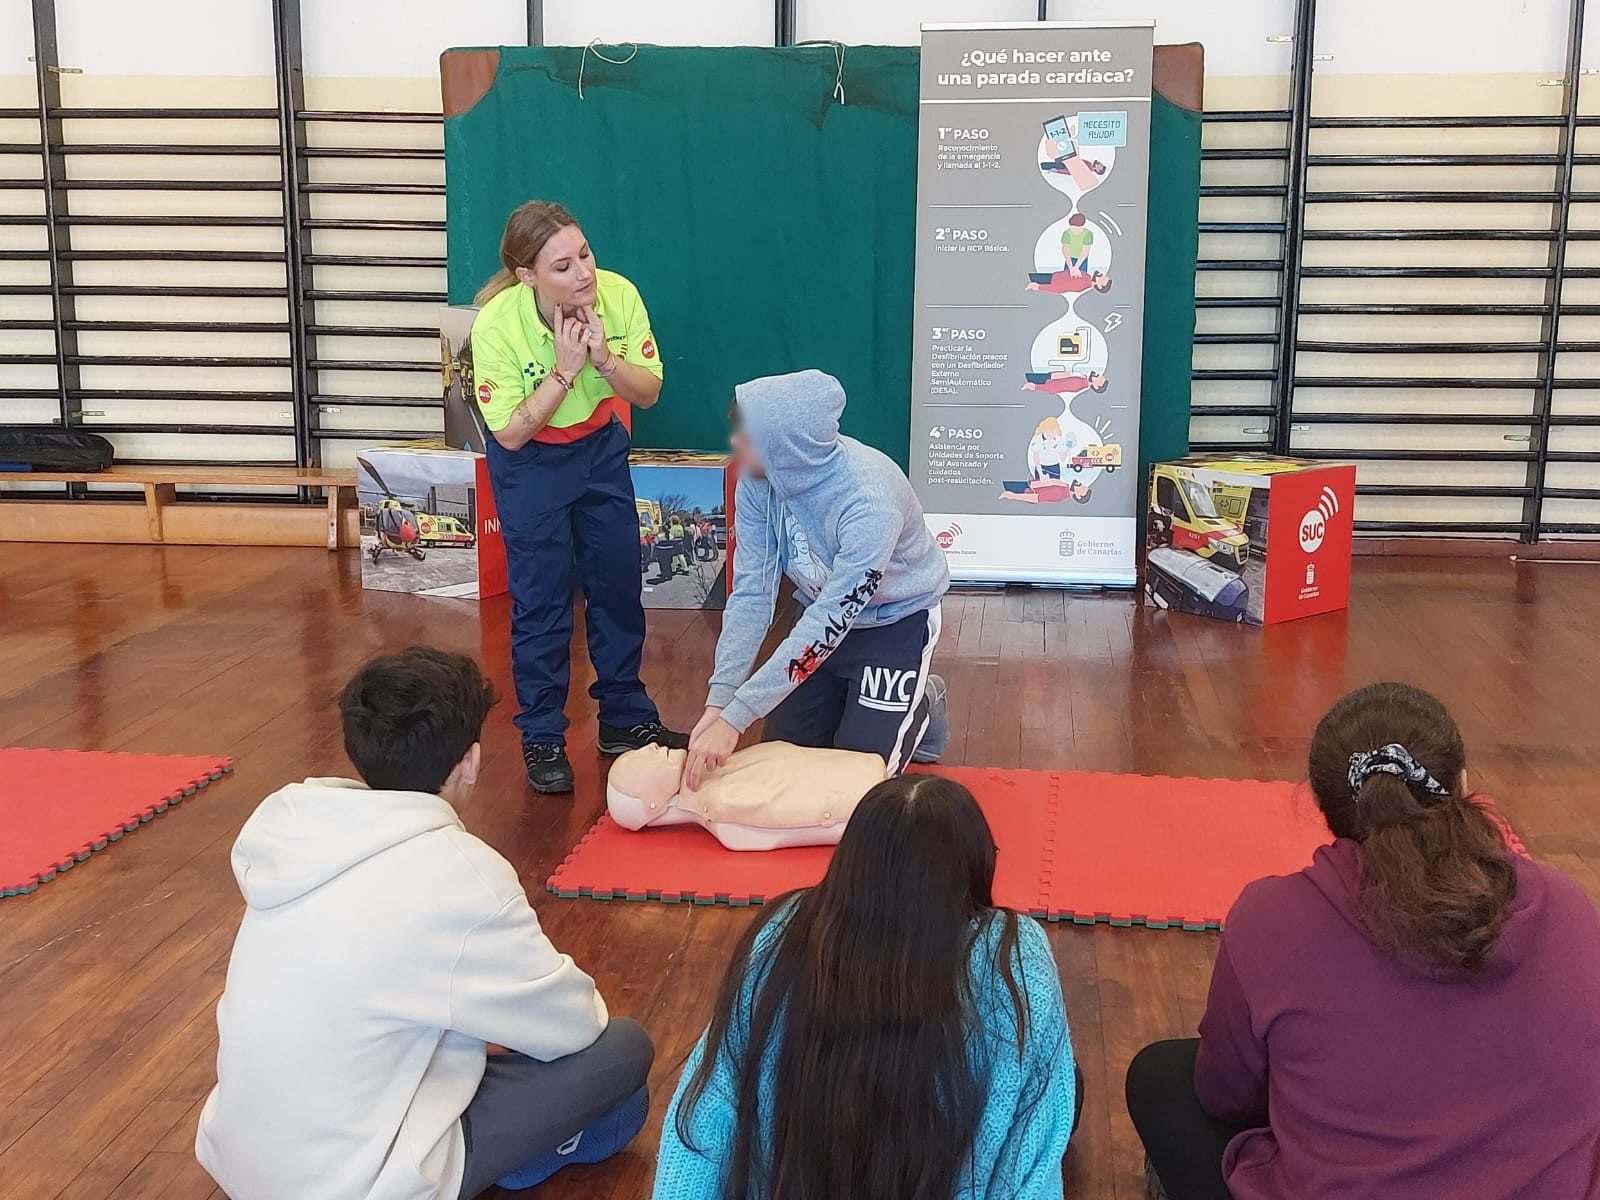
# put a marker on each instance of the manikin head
(412, 722)
(651, 775)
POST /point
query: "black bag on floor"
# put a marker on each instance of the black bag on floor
(30, 449)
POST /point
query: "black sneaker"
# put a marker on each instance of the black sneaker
(548, 768)
(619, 739)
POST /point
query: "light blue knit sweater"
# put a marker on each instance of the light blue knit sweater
(1016, 1154)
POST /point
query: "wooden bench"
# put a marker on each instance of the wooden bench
(29, 517)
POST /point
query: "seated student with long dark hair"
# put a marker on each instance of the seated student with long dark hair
(1413, 1015)
(889, 1033)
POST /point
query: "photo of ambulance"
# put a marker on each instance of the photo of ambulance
(1183, 516)
(1241, 503)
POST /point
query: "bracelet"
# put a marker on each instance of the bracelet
(609, 368)
(565, 383)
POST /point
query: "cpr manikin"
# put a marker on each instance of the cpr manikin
(765, 797)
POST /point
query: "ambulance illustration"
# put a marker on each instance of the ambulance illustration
(1109, 458)
(1242, 504)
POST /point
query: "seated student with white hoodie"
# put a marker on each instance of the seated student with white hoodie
(383, 950)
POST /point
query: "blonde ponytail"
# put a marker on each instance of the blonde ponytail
(498, 282)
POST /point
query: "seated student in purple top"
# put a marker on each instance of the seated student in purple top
(1416, 1014)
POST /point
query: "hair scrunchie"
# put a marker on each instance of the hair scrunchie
(1393, 759)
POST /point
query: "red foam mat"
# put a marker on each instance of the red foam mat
(1128, 849)
(57, 807)
(1150, 850)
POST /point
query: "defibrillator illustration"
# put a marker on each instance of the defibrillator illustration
(1073, 346)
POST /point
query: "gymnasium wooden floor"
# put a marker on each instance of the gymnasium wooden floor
(109, 975)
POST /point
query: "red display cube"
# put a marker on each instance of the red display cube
(1253, 539)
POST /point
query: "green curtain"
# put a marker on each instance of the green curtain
(1173, 247)
(768, 226)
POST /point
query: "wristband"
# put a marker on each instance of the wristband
(609, 367)
(566, 384)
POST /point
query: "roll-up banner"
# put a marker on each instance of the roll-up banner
(1032, 184)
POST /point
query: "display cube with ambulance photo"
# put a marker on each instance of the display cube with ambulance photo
(1251, 538)
(685, 503)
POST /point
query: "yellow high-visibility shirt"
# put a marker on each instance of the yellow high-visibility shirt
(513, 350)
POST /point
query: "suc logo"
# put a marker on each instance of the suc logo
(1314, 525)
(947, 537)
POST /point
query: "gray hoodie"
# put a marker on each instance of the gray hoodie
(834, 515)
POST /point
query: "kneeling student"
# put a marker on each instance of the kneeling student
(383, 950)
(839, 519)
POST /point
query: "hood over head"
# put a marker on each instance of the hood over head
(793, 422)
(308, 833)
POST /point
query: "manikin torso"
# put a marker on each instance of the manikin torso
(765, 797)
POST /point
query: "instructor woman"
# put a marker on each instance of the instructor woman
(559, 349)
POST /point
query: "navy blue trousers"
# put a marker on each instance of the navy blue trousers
(569, 520)
(870, 694)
